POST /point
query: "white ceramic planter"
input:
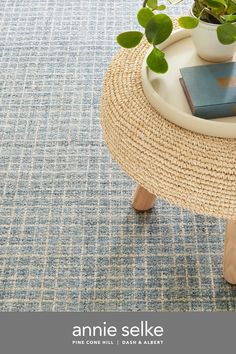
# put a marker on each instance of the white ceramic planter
(207, 44)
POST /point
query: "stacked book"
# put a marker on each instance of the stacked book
(210, 89)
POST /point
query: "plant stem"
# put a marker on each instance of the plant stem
(145, 3)
(212, 14)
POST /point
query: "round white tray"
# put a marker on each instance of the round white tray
(166, 95)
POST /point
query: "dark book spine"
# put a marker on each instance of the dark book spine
(187, 95)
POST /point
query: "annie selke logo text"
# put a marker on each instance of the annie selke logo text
(107, 333)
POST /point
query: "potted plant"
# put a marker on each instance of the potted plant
(213, 30)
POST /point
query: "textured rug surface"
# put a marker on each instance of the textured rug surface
(70, 240)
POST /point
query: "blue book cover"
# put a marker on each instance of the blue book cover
(210, 89)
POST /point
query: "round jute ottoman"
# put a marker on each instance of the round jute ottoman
(191, 170)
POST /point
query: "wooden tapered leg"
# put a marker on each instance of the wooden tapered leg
(230, 253)
(143, 200)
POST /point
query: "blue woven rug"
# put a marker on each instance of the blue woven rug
(70, 240)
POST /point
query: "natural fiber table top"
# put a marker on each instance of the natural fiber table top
(191, 170)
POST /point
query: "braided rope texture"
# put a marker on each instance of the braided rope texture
(191, 170)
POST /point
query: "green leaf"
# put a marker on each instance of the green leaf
(229, 18)
(144, 16)
(156, 61)
(161, 7)
(152, 4)
(188, 22)
(158, 29)
(129, 39)
(226, 33)
(231, 8)
(216, 4)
